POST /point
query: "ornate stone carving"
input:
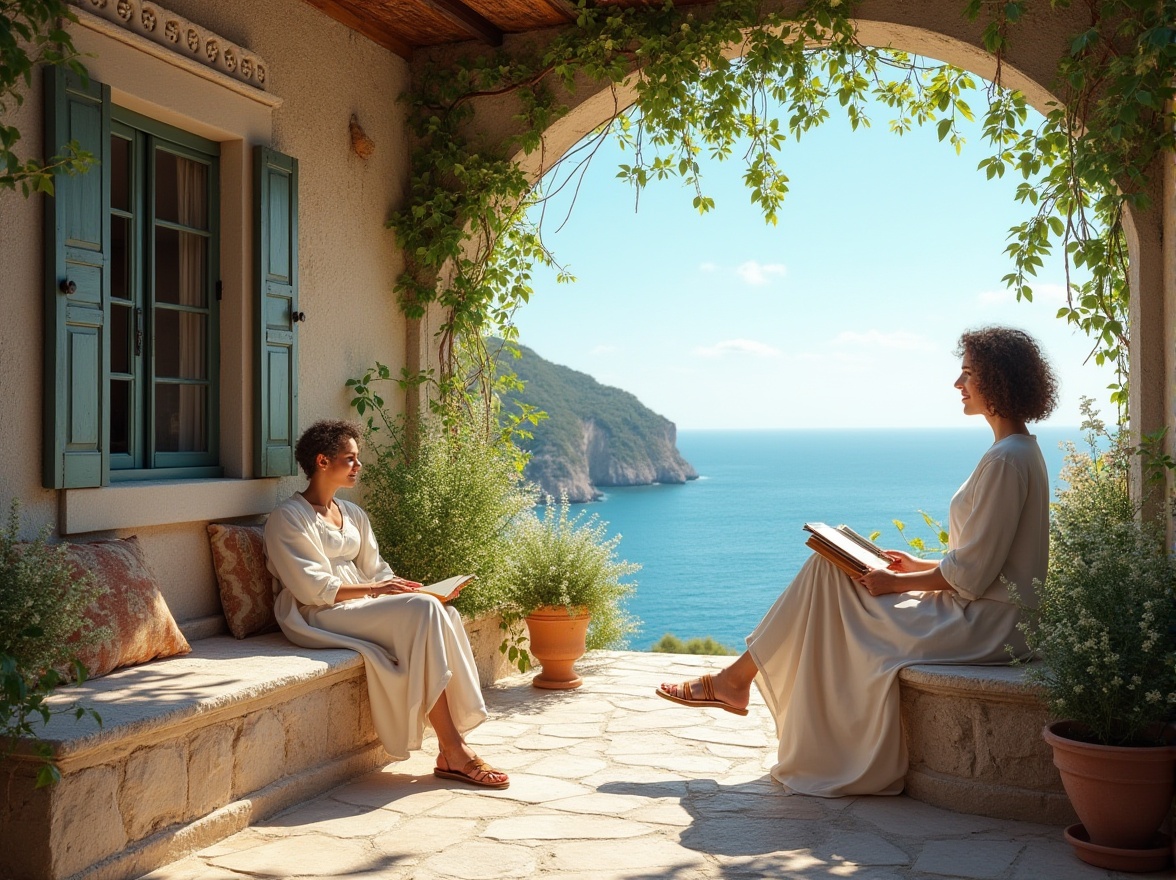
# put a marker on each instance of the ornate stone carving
(202, 45)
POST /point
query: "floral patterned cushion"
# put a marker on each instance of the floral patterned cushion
(141, 627)
(238, 555)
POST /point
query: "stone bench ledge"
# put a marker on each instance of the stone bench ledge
(191, 750)
(973, 734)
(221, 677)
(993, 683)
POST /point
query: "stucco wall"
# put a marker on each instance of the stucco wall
(322, 72)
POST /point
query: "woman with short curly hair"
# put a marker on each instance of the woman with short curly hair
(337, 591)
(1010, 372)
(827, 655)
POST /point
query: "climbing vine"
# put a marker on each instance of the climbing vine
(706, 83)
(30, 36)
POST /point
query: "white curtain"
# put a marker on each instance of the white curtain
(192, 201)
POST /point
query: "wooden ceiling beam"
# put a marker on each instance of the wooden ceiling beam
(365, 26)
(467, 19)
(565, 8)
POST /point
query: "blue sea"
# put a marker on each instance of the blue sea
(716, 551)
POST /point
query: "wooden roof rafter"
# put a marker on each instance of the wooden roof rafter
(368, 27)
(565, 7)
(458, 13)
(404, 26)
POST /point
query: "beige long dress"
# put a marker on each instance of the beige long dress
(829, 653)
(413, 647)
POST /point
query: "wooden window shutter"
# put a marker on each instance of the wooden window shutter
(275, 249)
(77, 288)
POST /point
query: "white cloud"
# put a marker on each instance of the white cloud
(603, 349)
(901, 340)
(750, 272)
(758, 274)
(738, 347)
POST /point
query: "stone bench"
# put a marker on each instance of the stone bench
(191, 750)
(974, 737)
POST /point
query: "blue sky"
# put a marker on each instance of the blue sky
(845, 314)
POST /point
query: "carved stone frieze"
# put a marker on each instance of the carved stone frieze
(181, 36)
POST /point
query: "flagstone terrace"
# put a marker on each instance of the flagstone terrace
(611, 782)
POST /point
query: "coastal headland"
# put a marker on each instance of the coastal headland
(594, 436)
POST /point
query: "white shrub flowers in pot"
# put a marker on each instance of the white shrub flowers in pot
(566, 582)
(1102, 628)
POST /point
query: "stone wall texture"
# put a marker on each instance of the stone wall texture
(152, 789)
(974, 739)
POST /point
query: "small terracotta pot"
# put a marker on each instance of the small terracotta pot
(1121, 793)
(557, 642)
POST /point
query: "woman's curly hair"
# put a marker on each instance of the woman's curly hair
(324, 437)
(1011, 372)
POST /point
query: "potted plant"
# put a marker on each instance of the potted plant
(566, 583)
(1102, 627)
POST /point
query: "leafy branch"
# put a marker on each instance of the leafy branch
(31, 36)
(1090, 160)
(708, 85)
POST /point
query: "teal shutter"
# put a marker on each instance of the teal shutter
(275, 250)
(77, 288)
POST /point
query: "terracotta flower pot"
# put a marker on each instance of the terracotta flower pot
(1121, 793)
(557, 642)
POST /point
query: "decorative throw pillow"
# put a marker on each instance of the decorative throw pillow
(141, 627)
(238, 555)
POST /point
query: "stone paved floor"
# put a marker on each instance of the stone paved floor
(609, 781)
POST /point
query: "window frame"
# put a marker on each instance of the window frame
(144, 461)
(76, 300)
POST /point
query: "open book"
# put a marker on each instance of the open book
(449, 588)
(846, 549)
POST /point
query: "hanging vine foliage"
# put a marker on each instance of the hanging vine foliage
(707, 82)
(31, 35)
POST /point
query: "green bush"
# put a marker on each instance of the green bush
(447, 497)
(42, 626)
(558, 559)
(1107, 605)
(443, 500)
(671, 644)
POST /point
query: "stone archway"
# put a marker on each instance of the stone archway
(940, 31)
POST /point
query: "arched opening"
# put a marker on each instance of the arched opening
(723, 307)
(1029, 62)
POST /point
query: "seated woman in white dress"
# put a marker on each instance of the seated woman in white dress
(338, 592)
(826, 656)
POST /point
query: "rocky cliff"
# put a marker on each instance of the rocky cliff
(595, 435)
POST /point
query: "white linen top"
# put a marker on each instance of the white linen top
(998, 524)
(312, 559)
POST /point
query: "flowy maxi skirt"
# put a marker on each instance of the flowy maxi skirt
(829, 655)
(414, 648)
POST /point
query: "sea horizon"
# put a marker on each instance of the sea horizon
(717, 551)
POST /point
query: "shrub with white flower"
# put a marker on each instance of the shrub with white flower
(558, 559)
(1107, 606)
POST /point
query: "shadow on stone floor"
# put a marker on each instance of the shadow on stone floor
(755, 829)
